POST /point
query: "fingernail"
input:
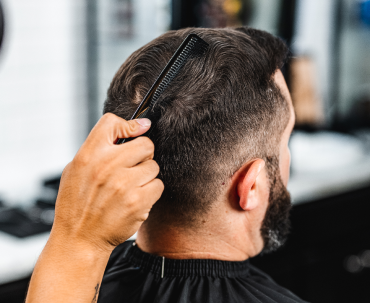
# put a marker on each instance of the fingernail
(144, 122)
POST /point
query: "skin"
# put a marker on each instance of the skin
(105, 195)
(231, 231)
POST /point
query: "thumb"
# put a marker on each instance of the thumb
(133, 128)
(111, 127)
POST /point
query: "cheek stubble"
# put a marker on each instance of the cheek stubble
(276, 224)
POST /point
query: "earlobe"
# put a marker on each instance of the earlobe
(248, 184)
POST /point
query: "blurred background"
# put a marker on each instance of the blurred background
(56, 62)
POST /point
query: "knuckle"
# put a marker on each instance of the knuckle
(149, 167)
(109, 117)
(117, 187)
(143, 217)
(131, 125)
(123, 122)
(124, 127)
(100, 176)
(160, 185)
(146, 143)
(153, 166)
(112, 119)
(81, 159)
(134, 198)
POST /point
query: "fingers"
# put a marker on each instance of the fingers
(111, 127)
(136, 151)
(144, 172)
(152, 191)
(132, 128)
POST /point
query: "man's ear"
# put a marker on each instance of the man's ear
(248, 184)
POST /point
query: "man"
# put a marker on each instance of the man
(222, 148)
(221, 145)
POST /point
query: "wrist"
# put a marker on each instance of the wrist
(68, 270)
(69, 245)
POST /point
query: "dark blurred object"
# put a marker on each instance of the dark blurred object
(357, 118)
(210, 13)
(21, 224)
(92, 62)
(238, 12)
(286, 21)
(1, 24)
(34, 220)
(327, 256)
(52, 183)
(286, 27)
(360, 113)
(336, 55)
(184, 13)
(365, 12)
(14, 292)
(223, 13)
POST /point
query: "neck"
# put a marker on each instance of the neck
(220, 242)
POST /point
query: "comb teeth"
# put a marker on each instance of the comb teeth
(195, 48)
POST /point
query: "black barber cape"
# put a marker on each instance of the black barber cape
(135, 276)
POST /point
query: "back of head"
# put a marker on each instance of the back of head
(220, 111)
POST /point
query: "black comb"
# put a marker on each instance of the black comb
(193, 46)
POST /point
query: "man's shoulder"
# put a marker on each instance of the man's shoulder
(135, 276)
(280, 294)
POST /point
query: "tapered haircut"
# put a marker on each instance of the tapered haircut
(221, 110)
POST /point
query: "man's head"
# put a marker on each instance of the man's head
(223, 116)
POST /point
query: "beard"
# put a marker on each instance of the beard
(276, 224)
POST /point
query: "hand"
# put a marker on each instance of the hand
(108, 190)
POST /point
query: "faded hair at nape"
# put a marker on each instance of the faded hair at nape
(220, 111)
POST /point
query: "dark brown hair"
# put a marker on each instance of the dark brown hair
(220, 111)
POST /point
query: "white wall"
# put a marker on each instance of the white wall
(43, 116)
(42, 120)
(150, 19)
